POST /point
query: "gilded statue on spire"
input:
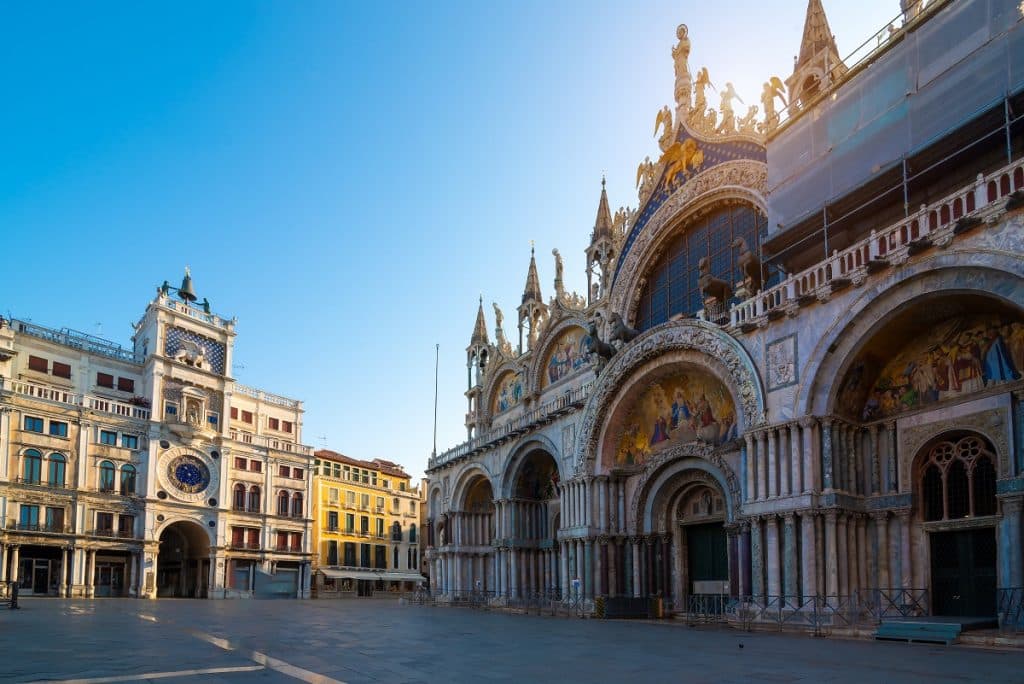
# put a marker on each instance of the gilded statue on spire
(681, 56)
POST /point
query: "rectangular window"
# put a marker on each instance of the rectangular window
(104, 522)
(54, 519)
(61, 370)
(38, 364)
(297, 473)
(364, 501)
(282, 541)
(380, 557)
(234, 413)
(253, 541)
(401, 486)
(126, 526)
(332, 495)
(350, 554)
(237, 536)
(380, 503)
(373, 479)
(256, 466)
(58, 429)
(247, 417)
(33, 424)
(350, 523)
(29, 519)
(108, 437)
(386, 484)
(170, 408)
(273, 423)
(332, 552)
(286, 426)
(241, 463)
(105, 380)
(296, 541)
(284, 471)
(130, 441)
(412, 507)
(364, 555)
(337, 470)
(350, 498)
(364, 524)
(126, 384)
(332, 521)
(380, 527)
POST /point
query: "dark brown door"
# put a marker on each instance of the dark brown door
(964, 573)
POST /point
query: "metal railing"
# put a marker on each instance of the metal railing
(112, 533)
(527, 420)
(69, 398)
(51, 528)
(953, 212)
(77, 340)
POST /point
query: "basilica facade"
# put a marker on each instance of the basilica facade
(148, 471)
(797, 375)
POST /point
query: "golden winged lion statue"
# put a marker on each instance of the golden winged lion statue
(681, 158)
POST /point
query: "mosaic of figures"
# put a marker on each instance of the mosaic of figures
(570, 354)
(957, 356)
(679, 409)
(538, 480)
(509, 393)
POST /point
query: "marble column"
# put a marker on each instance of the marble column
(796, 482)
(514, 573)
(862, 553)
(789, 559)
(831, 556)
(756, 560)
(810, 461)
(635, 543)
(588, 568)
(762, 465)
(826, 455)
(876, 473)
(771, 563)
(808, 554)
(1011, 573)
(881, 519)
(744, 554)
(773, 462)
(62, 579)
(601, 560)
(564, 561)
(906, 561)
(14, 562)
(666, 566)
(751, 468)
(90, 582)
(842, 556)
(3, 569)
(890, 431)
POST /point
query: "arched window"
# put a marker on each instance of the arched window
(412, 533)
(395, 558)
(282, 503)
(958, 480)
(254, 499)
(239, 497)
(106, 476)
(32, 467)
(297, 505)
(673, 284)
(127, 480)
(396, 531)
(55, 476)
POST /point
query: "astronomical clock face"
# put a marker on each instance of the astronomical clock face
(187, 475)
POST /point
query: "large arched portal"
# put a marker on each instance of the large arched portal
(470, 532)
(183, 567)
(534, 509)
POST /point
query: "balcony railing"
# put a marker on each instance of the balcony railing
(544, 412)
(36, 482)
(259, 394)
(51, 528)
(246, 509)
(195, 312)
(245, 546)
(950, 215)
(270, 442)
(68, 398)
(112, 533)
(78, 340)
(286, 548)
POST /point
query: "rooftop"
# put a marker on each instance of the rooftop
(380, 465)
(77, 340)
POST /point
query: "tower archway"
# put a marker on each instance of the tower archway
(183, 563)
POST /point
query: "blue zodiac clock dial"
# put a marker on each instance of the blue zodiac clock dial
(189, 474)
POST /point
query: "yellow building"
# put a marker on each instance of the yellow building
(365, 531)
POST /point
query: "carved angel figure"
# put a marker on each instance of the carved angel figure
(773, 88)
(664, 119)
(728, 124)
(747, 124)
(703, 80)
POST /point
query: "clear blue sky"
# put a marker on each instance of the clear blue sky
(345, 179)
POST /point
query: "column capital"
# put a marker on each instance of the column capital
(879, 516)
(807, 422)
(1012, 504)
(903, 514)
(808, 513)
(789, 517)
(890, 425)
(666, 537)
(648, 539)
(827, 421)
(873, 429)
(634, 539)
(603, 540)
(831, 515)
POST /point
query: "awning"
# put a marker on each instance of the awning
(350, 574)
(403, 577)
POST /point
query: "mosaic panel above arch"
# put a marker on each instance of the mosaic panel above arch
(951, 350)
(686, 406)
(508, 392)
(569, 354)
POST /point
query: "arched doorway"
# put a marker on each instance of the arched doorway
(956, 483)
(472, 532)
(698, 519)
(534, 523)
(183, 563)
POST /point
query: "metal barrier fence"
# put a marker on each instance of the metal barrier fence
(550, 602)
(1010, 608)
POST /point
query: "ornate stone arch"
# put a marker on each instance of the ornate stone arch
(743, 180)
(462, 478)
(514, 461)
(990, 425)
(723, 356)
(196, 520)
(491, 385)
(951, 273)
(672, 467)
(551, 335)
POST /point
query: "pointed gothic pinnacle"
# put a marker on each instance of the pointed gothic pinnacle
(532, 290)
(603, 222)
(817, 35)
(480, 329)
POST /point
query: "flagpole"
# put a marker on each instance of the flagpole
(437, 354)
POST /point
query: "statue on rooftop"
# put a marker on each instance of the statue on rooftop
(681, 56)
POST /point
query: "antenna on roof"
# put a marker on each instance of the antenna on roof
(437, 354)
(323, 441)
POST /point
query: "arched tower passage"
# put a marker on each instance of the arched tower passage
(688, 346)
(183, 562)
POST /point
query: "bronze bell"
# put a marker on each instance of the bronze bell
(185, 291)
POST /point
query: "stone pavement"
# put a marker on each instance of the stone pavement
(208, 642)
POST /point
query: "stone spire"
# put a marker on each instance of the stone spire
(818, 63)
(532, 290)
(480, 329)
(603, 222)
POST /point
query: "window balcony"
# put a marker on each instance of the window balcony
(288, 548)
(245, 546)
(109, 533)
(36, 482)
(49, 528)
